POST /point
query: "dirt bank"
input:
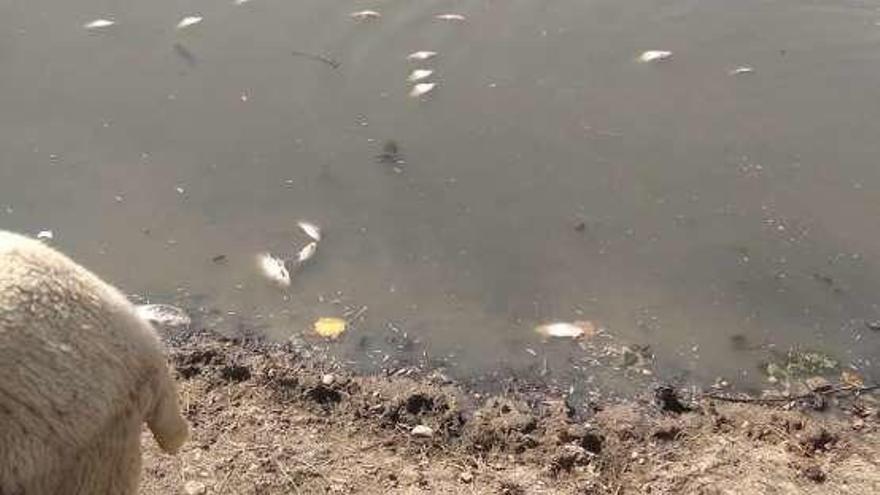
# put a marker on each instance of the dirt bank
(267, 421)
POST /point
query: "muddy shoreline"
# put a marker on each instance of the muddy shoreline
(269, 419)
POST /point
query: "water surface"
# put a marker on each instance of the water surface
(549, 176)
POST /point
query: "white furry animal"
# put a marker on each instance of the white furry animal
(80, 372)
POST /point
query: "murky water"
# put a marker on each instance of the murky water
(549, 176)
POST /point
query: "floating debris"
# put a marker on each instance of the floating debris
(654, 55)
(311, 230)
(307, 252)
(99, 24)
(45, 235)
(636, 355)
(421, 55)
(391, 155)
(241, 2)
(574, 330)
(365, 14)
(449, 17)
(817, 384)
(186, 55)
(419, 74)
(797, 364)
(274, 269)
(164, 314)
(189, 21)
(317, 58)
(851, 378)
(330, 327)
(421, 89)
(743, 69)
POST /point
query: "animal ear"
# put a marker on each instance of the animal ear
(165, 420)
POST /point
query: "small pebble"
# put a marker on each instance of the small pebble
(328, 379)
(422, 431)
(193, 487)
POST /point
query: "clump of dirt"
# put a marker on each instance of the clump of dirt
(268, 421)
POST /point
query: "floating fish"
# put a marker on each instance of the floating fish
(188, 21)
(164, 314)
(307, 252)
(45, 235)
(421, 89)
(274, 269)
(421, 55)
(365, 14)
(574, 330)
(311, 230)
(99, 24)
(449, 17)
(330, 327)
(743, 69)
(419, 74)
(654, 55)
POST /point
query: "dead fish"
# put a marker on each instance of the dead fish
(449, 17)
(421, 55)
(274, 269)
(574, 330)
(188, 21)
(311, 230)
(365, 14)
(654, 55)
(307, 252)
(743, 69)
(421, 89)
(99, 24)
(164, 314)
(419, 74)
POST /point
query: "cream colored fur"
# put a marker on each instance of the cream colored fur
(80, 373)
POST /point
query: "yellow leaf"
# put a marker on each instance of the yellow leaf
(330, 327)
(852, 379)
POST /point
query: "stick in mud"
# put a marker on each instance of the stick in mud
(776, 400)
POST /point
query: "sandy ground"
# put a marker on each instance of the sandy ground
(266, 421)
